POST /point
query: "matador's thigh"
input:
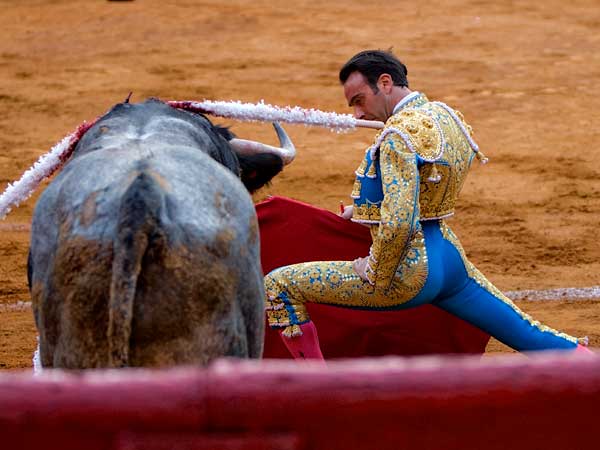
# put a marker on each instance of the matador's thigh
(332, 282)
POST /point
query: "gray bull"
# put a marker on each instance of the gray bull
(145, 247)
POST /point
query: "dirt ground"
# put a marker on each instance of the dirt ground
(522, 72)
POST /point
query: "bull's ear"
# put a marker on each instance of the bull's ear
(224, 132)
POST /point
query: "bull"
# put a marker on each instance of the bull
(145, 247)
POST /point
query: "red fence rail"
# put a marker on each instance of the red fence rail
(462, 403)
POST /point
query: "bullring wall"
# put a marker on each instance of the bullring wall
(512, 402)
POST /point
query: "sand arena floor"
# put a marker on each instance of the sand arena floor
(523, 73)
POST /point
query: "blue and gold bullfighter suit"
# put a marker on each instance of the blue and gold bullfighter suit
(405, 188)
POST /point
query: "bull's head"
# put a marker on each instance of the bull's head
(259, 162)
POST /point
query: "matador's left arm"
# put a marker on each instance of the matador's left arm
(399, 210)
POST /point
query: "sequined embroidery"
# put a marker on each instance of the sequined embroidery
(360, 172)
(366, 213)
(438, 134)
(399, 222)
(420, 132)
(356, 189)
(335, 283)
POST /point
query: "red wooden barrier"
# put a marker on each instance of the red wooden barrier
(462, 403)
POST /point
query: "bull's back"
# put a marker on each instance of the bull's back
(200, 262)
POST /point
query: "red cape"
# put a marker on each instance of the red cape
(293, 232)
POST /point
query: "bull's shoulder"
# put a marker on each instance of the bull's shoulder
(157, 126)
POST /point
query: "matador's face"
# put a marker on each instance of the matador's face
(367, 104)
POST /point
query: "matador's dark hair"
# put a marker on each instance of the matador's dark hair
(373, 63)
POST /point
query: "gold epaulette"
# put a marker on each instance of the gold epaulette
(420, 132)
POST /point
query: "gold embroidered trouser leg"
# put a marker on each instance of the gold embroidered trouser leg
(331, 282)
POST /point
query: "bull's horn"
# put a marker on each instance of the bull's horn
(287, 151)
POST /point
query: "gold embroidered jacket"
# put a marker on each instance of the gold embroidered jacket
(414, 171)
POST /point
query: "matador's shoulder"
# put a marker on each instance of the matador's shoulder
(420, 133)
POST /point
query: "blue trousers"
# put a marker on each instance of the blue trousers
(449, 287)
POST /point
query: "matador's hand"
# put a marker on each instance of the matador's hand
(347, 212)
(360, 266)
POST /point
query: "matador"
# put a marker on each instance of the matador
(406, 187)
